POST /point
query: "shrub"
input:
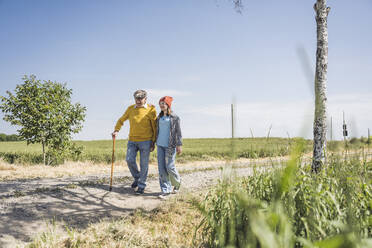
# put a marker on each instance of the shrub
(292, 207)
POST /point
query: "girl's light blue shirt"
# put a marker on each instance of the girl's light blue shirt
(164, 130)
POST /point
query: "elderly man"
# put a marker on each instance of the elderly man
(142, 137)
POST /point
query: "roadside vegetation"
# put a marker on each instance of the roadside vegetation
(293, 207)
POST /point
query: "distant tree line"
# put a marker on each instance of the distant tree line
(11, 137)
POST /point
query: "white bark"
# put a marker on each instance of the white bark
(320, 116)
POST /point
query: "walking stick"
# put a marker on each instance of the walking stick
(113, 159)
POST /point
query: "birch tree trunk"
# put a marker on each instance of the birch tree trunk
(320, 116)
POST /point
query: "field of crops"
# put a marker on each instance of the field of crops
(100, 151)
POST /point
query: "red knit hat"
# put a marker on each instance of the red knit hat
(167, 99)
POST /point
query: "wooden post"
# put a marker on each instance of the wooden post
(344, 127)
(112, 161)
(344, 133)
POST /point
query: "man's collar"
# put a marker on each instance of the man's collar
(145, 106)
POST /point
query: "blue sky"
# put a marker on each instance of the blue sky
(202, 53)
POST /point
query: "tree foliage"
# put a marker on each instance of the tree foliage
(44, 113)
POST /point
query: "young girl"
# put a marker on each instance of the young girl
(169, 142)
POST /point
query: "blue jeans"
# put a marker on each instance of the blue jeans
(144, 148)
(168, 174)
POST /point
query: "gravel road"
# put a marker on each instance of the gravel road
(27, 206)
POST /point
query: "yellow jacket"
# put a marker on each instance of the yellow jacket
(142, 122)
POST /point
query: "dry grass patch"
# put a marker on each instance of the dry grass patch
(68, 169)
(5, 166)
(13, 172)
(171, 225)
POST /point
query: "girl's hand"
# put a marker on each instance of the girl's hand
(179, 149)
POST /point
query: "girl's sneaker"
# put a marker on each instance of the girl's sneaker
(163, 196)
(176, 189)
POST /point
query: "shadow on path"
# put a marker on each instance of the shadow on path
(22, 217)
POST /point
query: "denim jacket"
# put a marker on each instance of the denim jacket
(175, 136)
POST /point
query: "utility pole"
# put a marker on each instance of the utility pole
(268, 133)
(232, 132)
(331, 130)
(232, 121)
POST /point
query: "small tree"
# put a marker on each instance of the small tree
(45, 114)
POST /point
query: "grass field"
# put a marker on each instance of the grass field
(100, 151)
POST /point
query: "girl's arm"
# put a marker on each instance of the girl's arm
(178, 132)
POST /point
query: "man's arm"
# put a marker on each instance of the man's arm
(120, 122)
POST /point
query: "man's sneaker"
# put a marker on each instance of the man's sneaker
(134, 185)
(140, 191)
(164, 196)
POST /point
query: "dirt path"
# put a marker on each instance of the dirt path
(26, 206)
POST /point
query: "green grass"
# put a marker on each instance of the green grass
(292, 207)
(100, 151)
